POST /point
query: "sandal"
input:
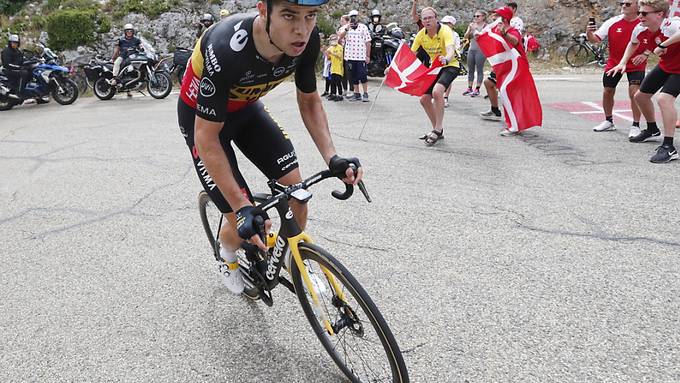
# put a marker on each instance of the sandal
(433, 137)
(440, 134)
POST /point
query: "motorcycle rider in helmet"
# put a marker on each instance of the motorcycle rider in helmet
(374, 24)
(122, 51)
(207, 20)
(12, 60)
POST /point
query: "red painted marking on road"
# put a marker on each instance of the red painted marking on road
(592, 111)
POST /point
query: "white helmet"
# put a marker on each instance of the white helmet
(129, 27)
(375, 12)
(353, 12)
(449, 19)
(13, 38)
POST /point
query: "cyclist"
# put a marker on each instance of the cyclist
(234, 64)
(618, 30)
(661, 34)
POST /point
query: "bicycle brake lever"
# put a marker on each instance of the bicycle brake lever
(362, 187)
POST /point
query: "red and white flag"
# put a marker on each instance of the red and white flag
(408, 75)
(517, 90)
(675, 8)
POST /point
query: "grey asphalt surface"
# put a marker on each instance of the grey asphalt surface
(548, 257)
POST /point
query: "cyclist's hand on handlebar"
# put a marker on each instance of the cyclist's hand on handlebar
(341, 168)
(252, 222)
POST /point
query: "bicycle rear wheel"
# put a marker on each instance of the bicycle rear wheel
(362, 345)
(577, 55)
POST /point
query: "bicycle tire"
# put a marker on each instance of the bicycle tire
(577, 55)
(397, 367)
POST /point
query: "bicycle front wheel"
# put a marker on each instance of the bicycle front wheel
(362, 345)
(211, 219)
(578, 55)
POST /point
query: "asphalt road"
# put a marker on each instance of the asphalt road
(548, 257)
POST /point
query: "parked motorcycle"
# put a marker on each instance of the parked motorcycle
(49, 78)
(179, 62)
(383, 49)
(141, 69)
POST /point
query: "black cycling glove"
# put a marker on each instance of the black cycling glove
(245, 221)
(338, 165)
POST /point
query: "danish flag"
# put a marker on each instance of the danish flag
(408, 75)
(517, 90)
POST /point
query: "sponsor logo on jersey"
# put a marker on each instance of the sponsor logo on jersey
(278, 71)
(239, 39)
(253, 92)
(205, 176)
(207, 88)
(211, 64)
(206, 110)
(192, 91)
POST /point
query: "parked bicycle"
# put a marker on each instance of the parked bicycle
(341, 313)
(583, 52)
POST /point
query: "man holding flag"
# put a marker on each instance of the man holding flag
(501, 44)
(436, 40)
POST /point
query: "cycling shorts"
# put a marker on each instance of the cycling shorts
(257, 136)
(445, 77)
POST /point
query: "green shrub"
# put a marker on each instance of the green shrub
(38, 22)
(70, 27)
(325, 26)
(79, 4)
(10, 7)
(104, 24)
(52, 5)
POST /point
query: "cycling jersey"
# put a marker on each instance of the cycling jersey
(617, 31)
(436, 45)
(226, 73)
(670, 61)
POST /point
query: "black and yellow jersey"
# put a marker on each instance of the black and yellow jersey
(435, 46)
(226, 73)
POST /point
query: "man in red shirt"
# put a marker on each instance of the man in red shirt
(661, 34)
(617, 31)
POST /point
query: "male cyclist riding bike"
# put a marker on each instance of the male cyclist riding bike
(236, 62)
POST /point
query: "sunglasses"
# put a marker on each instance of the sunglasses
(479, 15)
(625, 4)
(646, 13)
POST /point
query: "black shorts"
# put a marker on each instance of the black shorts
(256, 135)
(359, 71)
(634, 78)
(492, 77)
(658, 79)
(445, 77)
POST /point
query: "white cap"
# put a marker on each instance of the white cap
(353, 12)
(449, 19)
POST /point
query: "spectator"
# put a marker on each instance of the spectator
(617, 30)
(346, 77)
(415, 16)
(335, 52)
(326, 71)
(475, 57)
(450, 21)
(514, 38)
(661, 34)
(358, 53)
(515, 22)
(437, 41)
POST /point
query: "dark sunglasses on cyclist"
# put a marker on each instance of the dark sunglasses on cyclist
(625, 4)
(479, 15)
(646, 13)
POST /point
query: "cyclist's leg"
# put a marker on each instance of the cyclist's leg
(634, 81)
(267, 145)
(228, 236)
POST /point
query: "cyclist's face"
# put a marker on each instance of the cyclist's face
(291, 25)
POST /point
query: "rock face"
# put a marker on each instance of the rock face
(551, 21)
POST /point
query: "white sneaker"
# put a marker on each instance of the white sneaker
(507, 133)
(231, 277)
(446, 102)
(605, 126)
(634, 131)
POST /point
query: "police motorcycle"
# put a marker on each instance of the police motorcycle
(141, 69)
(383, 48)
(48, 78)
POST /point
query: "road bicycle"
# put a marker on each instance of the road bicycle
(583, 52)
(341, 313)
